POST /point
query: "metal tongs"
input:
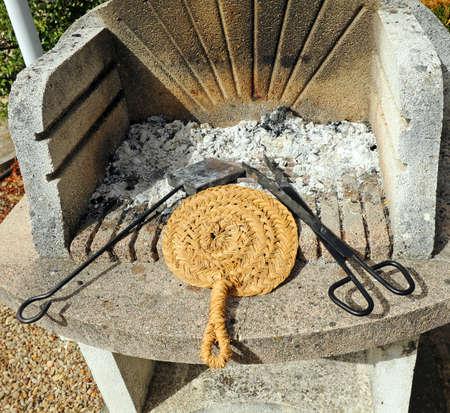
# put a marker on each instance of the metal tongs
(341, 252)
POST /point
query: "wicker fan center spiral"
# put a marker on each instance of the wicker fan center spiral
(235, 240)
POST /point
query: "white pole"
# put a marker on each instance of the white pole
(24, 29)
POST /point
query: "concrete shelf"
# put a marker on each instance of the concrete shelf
(142, 310)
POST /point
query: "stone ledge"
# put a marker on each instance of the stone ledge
(408, 77)
(142, 310)
(440, 38)
(44, 111)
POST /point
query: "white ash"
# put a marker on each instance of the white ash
(317, 156)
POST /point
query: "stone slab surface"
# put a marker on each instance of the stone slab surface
(311, 386)
(361, 382)
(308, 242)
(329, 215)
(143, 310)
(377, 226)
(353, 231)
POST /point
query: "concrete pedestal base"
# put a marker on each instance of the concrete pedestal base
(391, 373)
(122, 380)
(377, 380)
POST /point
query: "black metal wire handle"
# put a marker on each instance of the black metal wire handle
(374, 273)
(115, 240)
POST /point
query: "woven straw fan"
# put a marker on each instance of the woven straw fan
(235, 240)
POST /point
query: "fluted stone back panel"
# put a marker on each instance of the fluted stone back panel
(224, 60)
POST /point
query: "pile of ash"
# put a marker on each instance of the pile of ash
(318, 157)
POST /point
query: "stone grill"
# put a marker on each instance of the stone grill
(128, 59)
(221, 61)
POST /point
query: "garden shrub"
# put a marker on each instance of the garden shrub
(441, 9)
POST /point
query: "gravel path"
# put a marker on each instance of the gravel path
(38, 371)
(41, 373)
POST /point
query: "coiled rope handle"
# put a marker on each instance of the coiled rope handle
(216, 329)
(238, 241)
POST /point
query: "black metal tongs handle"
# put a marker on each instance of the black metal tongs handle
(372, 270)
(341, 252)
(73, 274)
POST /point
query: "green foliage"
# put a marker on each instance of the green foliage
(52, 18)
(442, 11)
